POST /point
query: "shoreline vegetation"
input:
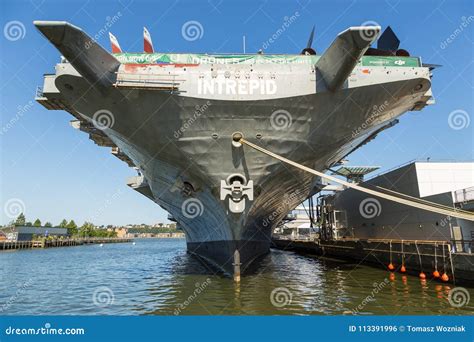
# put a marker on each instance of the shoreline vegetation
(88, 230)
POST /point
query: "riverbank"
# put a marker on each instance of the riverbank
(9, 245)
(157, 236)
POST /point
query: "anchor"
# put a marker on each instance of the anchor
(236, 187)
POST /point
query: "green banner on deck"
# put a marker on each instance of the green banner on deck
(185, 58)
(390, 61)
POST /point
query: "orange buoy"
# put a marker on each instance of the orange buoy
(436, 273)
(444, 277)
(403, 269)
(422, 275)
(390, 266)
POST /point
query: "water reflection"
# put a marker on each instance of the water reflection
(158, 277)
(316, 286)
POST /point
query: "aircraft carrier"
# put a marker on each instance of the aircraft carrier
(177, 118)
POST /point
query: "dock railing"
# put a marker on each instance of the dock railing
(46, 243)
(457, 246)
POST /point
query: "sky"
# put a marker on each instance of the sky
(51, 171)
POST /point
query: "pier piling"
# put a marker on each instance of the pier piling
(236, 265)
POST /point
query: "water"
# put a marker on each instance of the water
(158, 277)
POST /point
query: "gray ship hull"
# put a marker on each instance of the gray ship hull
(145, 126)
(221, 254)
(228, 198)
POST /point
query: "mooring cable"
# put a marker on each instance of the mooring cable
(451, 262)
(419, 257)
(433, 207)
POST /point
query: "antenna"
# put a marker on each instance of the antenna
(243, 42)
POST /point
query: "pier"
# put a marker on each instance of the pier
(415, 255)
(8, 245)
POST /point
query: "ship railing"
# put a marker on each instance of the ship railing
(457, 245)
(143, 80)
(464, 195)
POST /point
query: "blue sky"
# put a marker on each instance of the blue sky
(55, 171)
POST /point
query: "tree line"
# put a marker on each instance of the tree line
(88, 229)
(153, 230)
